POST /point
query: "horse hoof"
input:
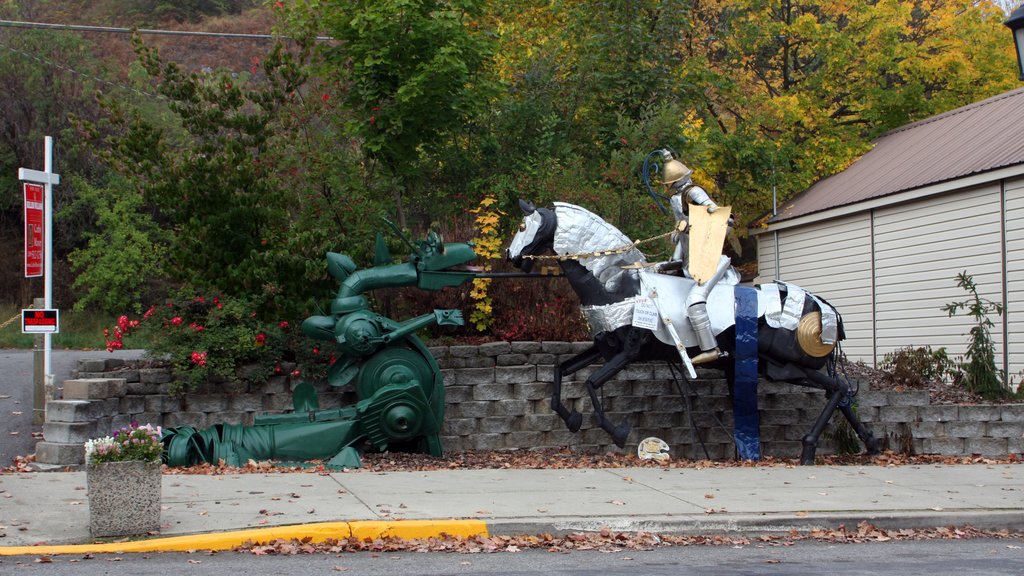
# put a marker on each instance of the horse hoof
(574, 421)
(620, 434)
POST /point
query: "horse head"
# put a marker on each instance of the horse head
(536, 233)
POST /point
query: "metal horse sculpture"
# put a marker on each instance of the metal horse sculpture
(607, 272)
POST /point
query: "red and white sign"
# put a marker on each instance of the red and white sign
(34, 230)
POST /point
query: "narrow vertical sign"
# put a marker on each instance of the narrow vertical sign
(34, 230)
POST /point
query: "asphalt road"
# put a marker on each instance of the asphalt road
(16, 400)
(915, 558)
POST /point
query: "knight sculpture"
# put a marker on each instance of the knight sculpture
(684, 193)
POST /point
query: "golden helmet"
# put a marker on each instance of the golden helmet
(675, 171)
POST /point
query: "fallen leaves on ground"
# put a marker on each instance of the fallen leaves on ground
(608, 540)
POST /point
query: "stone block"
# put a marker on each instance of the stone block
(492, 392)
(909, 398)
(927, 429)
(497, 424)
(543, 422)
(1015, 446)
(627, 404)
(986, 446)
(91, 365)
(475, 409)
(459, 426)
(75, 410)
(277, 402)
(872, 398)
(119, 421)
(145, 388)
(245, 402)
(1012, 413)
(963, 429)
(207, 402)
(897, 413)
(485, 441)
(72, 432)
(462, 351)
(86, 389)
(656, 420)
(980, 413)
(523, 440)
(546, 373)
(780, 417)
(61, 454)
(531, 391)
(525, 347)
(515, 360)
(273, 385)
(510, 408)
(944, 446)
(155, 375)
(152, 418)
(515, 374)
(131, 404)
(550, 347)
(1004, 429)
(194, 419)
(636, 372)
(455, 394)
(238, 418)
(580, 347)
(162, 403)
(939, 413)
(494, 349)
(541, 359)
(474, 376)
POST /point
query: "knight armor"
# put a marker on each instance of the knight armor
(677, 179)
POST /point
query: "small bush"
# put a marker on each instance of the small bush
(917, 367)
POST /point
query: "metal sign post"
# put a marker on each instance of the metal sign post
(47, 178)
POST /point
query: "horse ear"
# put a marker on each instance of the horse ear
(527, 207)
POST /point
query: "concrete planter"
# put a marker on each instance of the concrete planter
(124, 498)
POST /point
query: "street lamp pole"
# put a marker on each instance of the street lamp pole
(1016, 24)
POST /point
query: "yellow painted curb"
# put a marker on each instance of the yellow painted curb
(417, 529)
(405, 529)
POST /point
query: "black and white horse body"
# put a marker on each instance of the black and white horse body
(608, 273)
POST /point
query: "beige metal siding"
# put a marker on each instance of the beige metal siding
(765, 257)
(1014, 194)
(919, 250)
(831, 259)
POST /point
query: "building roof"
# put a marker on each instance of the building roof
(977, 138)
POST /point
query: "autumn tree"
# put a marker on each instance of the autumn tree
(414, 72)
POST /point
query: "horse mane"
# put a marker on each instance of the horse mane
(580, 231)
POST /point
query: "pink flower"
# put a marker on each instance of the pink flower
(296, 373)
(261, 339)
(196, 327)
(122, 323)
(198, 358)
(176, 320)
(283, 325)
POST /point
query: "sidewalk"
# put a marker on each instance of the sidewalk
(208, 512)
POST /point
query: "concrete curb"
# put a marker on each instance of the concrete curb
(320, 532)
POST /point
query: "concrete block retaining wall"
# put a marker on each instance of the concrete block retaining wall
(498, 399)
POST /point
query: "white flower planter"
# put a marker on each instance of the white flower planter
(124, 498)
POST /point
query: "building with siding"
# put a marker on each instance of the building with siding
(884, 239)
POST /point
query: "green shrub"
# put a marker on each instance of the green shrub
(917, 367)
(978, 370)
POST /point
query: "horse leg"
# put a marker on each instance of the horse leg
(597, 379)
(573, 420)
(871, 443)
(836, 391)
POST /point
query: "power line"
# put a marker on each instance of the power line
(65, 68)
(111, 29)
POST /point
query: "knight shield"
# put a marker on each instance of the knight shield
(707, 236)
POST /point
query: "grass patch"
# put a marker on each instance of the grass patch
(78, 331)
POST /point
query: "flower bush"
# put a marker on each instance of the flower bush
(131, 443)
(210, 338)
